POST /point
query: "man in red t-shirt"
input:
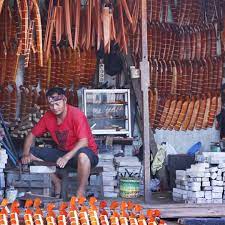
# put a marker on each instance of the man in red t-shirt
(71, 132)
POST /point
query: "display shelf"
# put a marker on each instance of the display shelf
(108, 111)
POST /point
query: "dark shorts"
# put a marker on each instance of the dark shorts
(52, 154)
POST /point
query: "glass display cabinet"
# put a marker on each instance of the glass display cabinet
(108, 111)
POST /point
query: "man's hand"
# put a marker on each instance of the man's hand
(26, 159)
(62, 161)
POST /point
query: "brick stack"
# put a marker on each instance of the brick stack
(204, 182)
(109, 175)
(3, 161)
(129, 165)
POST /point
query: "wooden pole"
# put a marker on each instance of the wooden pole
(145, 83)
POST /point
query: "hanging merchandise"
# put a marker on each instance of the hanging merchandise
(185, 64)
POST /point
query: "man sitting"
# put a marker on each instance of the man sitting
(71, 132)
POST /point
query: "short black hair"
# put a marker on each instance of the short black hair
(55, 90)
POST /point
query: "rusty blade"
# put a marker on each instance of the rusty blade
(106, 18)
(50, 12)
(127, 12)
(58, 25)
(29, 43)
(38, 29)
(68, 22)
(123, 35)
(77, 23)
(89, 12)
(24, 24)
(99, 25)
(50, 34)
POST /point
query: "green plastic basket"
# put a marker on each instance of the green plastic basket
(129, 187)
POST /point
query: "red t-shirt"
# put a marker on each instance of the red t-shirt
(73, 128)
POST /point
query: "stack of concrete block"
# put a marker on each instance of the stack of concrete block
(211, 157)
(3, 161)
(109, 175)
(204, 182)
(129, 165)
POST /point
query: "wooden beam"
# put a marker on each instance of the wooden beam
(188, 210)
(145, 83)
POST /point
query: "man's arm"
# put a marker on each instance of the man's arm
(26, 149)
(62, 161)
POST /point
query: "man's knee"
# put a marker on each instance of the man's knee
(83, 159)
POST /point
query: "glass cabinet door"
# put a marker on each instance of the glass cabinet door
(107, 111)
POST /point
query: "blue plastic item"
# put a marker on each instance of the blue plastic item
(194, 149)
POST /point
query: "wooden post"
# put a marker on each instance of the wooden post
(145, 83)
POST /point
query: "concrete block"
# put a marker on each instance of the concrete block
(110, 194)
(106, 174)
(183, 187)
(219, 172)
(194, 179)
(110, 183)
(213, 169)
(217, 189)
(177, 199)
(213, 175)
(219, 178)
(196, 194)
(201, 200)
(192, 200)
(185, 197)
(181, 182)
(178, 191)
(180, 172)
(217, 195)
(199, 166)
(207, 175)
(194, 186)
(207, 188)
(221, 166)
(205, 179)
(208, 195)
(195, 174)
(217, 201)
(108, 188)
(42, 169)
(206, 184)
(216, 183)
(177, 195)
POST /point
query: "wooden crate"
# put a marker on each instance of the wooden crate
(24, 182)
